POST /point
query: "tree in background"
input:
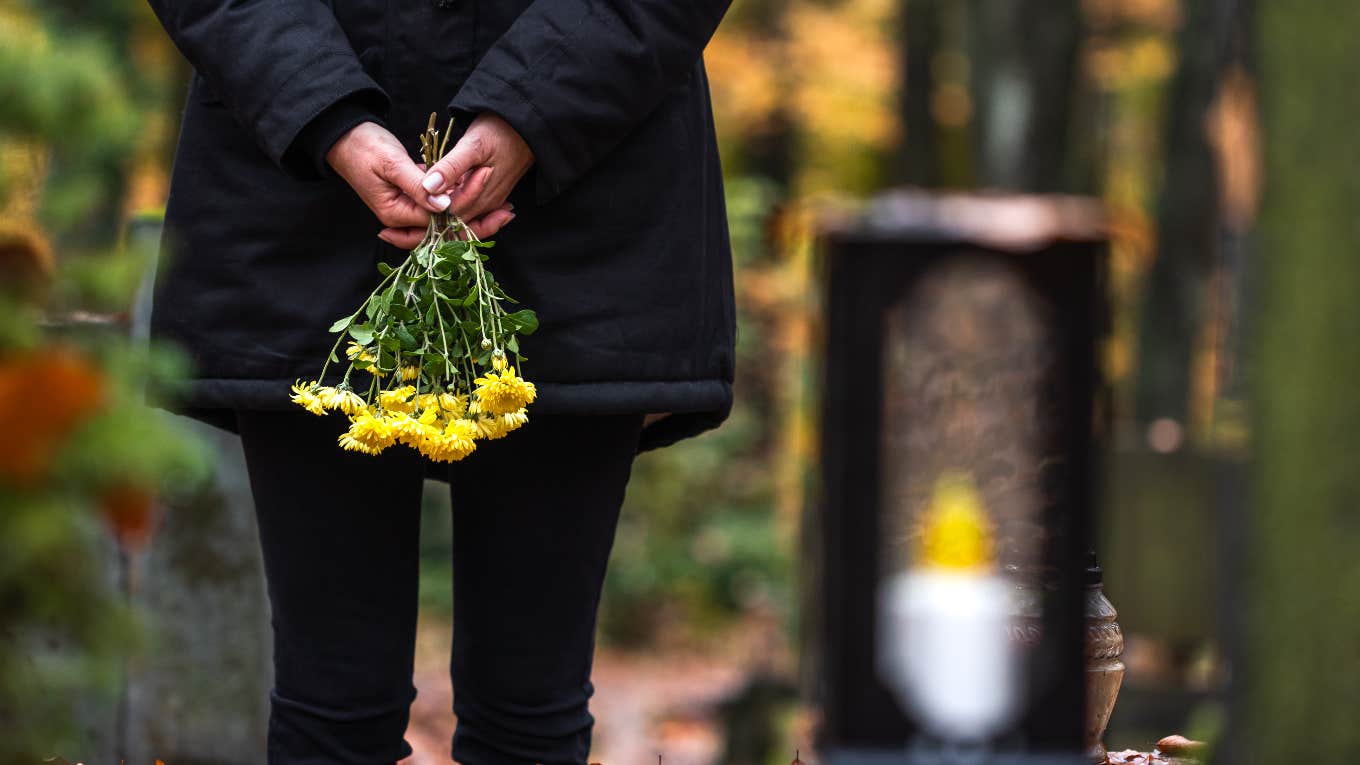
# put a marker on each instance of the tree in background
(86, 119)
(1189, 226)
(1300, 663)
(1032, 126)
(82, 458)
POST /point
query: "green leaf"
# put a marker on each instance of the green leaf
(470, 298)
(403, 313)
(334, 360)
(385, 269)
(484, 245)
(340, 325)
(526, 320)
(512, 344)
(362, 333)
(408, 340)
(452, 248)
(423, 256)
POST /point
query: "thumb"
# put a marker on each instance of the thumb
(469, 152)
(401, 172)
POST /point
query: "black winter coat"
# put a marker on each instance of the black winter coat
(620, 241)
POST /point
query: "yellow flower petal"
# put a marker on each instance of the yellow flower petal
(503, 392)
(305, 396)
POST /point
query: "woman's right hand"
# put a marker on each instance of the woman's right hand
(375, 164)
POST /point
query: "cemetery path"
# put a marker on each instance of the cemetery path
(645, 704)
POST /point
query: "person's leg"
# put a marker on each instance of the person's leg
(340, 537)
(534, 519)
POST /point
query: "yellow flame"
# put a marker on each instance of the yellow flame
(955, 533)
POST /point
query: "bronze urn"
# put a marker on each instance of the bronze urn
(1104, 669)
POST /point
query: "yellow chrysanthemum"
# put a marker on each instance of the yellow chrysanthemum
(398, 399)
(427, 401)
(490, 426)
(454, 442)
(406, 429)
(305, 396)
(498, 360)
(409, 372)
(512, 420)
(357, 352)
(342, 399)
(504, 391)
(455, 404)
(461, 429)
(367, 434)
(351, 444)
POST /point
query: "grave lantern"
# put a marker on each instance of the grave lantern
(959, 417)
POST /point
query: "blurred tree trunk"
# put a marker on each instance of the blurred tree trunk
(1189, 221)
(920, 28)
(1301, 662)
(1026, 99)
(771, 155)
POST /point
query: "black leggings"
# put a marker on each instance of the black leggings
(534, 516)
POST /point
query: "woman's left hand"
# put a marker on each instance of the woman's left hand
(479, 173)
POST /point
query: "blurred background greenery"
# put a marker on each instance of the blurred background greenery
(1149, 105)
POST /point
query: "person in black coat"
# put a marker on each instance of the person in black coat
(584, 144)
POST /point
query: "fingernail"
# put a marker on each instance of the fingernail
(432, 182)
(383, 236)
(512, 217)
(441, 201)
(510, 206)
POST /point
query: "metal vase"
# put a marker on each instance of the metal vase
(1104, 669)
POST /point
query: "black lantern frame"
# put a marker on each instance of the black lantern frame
(1056, 246)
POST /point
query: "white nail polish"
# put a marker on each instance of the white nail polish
(441, 201)
(432, 182)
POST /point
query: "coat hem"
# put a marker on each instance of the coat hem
(695, 406)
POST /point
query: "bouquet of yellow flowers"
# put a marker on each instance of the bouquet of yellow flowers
(432, 342)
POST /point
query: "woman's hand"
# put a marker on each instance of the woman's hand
(375, 164)
(477, 174)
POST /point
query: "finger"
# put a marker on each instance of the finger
(487, 225)
(403, 212)
(469, 200)
(469, 152)
(404, 238)
(401, 172)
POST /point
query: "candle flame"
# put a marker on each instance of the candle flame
(955, 533)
